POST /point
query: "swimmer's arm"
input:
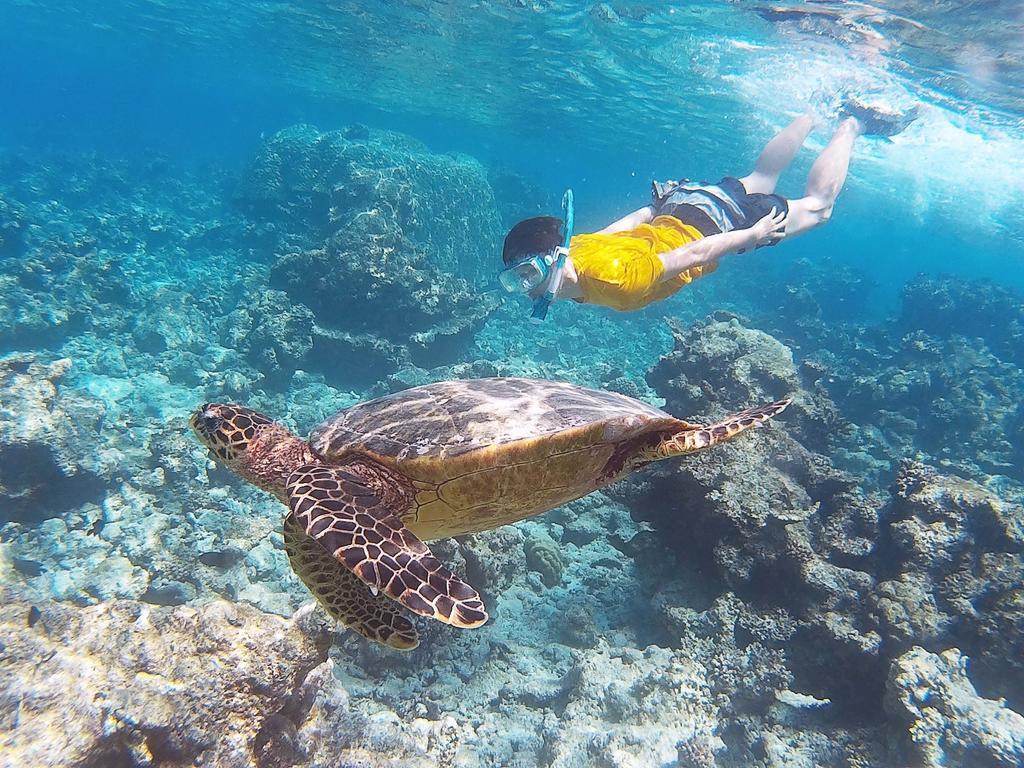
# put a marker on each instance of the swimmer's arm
(709, 249)
(629, 221)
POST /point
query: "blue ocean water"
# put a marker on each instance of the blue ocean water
(301, 206)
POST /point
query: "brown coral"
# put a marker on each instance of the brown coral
(544, 556)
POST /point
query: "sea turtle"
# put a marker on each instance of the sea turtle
(376, 480)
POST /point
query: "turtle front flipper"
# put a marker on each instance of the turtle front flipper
(343, 595)
(693, 437)
(352, 522)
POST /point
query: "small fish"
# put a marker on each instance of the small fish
(27, 567)
(33, 616)
(221, 558)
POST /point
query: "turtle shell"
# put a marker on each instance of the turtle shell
(484, 452)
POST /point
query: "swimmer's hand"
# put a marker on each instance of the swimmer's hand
(769, 229)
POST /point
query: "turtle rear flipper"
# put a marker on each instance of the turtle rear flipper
(346, 516)
(343, 595)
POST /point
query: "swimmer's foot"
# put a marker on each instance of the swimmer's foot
(877, 120)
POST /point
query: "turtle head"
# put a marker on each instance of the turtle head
(228, 430)
(250, 444)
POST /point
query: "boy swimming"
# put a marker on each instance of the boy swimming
(648, 255)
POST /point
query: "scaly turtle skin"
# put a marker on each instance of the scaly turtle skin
(378, 479)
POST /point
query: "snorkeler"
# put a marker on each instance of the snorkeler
(651, 253)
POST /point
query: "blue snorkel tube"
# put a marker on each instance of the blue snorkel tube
(541, 305)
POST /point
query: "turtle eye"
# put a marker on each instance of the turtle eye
(210, 422)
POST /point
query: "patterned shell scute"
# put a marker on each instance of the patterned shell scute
(451, 418)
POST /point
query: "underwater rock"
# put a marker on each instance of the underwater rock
(103, 485)
(945, 398)
(224, 685)
(127, 684)
(948, 723)
(382, 284)
(383, 236)
(12, 226)
(517, 198)
(44, 296)
(493, 559)
(46, 437)
(744, 672)
(358, 359)
(943, 381)
(762, 547)
(128, 269)
(610, 706)
(763, 722)
(765, 553)
(752, 507)
(274, 334)
(946, 306)
(172, 325)
(105, 235)
(627, 708)
(958, 549)
(906, 611)
(720, 365)
(577, 628)
(323, 182)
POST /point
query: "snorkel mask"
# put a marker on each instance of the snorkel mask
(527, 274)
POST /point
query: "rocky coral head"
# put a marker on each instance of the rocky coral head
(250, 444)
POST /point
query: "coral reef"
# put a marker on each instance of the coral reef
(224, 685)
(493, 560)
(382, 239)
(517, 198)
(756, 605)
(798, 576)
(949, 723)
(320, 183)
(542, 555)
(46, 466)
(946, 307)
(941, 380)
(721, 362)
(947, 399)
(632, 709)
(953, 553)
(275, 334)
(12, 226)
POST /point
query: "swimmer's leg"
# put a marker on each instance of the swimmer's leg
(826, 179)
(777, 155)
